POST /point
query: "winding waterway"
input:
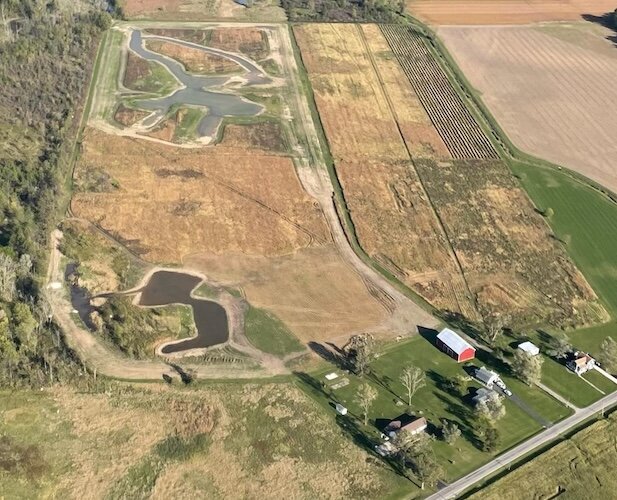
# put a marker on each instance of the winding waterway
(195, 91)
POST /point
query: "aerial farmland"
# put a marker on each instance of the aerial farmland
(307, 249)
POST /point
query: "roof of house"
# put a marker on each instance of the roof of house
(529, 348)
(485, 375)
(416, 425)
(454, 341)
(583, 359)
(481, 393)
(406, 422)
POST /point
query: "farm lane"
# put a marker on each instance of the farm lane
(455, 489)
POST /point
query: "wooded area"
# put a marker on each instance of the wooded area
(46, 53)
(383, 11)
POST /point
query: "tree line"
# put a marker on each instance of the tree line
(382, 11)
(46, 52)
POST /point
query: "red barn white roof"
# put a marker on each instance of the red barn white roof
(454, 341)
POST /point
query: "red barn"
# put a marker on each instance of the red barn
(455, 346)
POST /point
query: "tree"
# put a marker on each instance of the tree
(365, 397)
(608, 354)
(450, 432)
(412, 378)
(494, 325)
(558, 346)
(491, 408)
(359, 352)
(487, 434)
(526, 367)
(417, 456)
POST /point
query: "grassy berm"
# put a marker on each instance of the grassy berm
(227, 441)
(581, 467)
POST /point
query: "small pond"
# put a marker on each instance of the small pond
(171, 287)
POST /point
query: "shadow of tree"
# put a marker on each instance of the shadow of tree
(608, 20)
(327, 354)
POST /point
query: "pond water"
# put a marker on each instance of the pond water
(196, 91)
(170, 287)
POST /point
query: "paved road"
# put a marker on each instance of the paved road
(458, 487)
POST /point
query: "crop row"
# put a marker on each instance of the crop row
(457, 127)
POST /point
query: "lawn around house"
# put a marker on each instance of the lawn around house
(433, 401)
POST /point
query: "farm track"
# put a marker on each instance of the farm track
(459, 130)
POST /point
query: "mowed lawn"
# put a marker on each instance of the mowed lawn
(435, 402)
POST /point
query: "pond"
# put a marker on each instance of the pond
(195, 91)
(171, 287)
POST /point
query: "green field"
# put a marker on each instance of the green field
(269, 334)
(434, 401)
(586, 221)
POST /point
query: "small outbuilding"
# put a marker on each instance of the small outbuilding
(482, 395)
(455, 346)
(486, 376)
(340, 409)
(529, 348)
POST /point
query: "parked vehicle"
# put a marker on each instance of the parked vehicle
(499, 383)
(507, 392)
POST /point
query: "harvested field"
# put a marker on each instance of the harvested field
(581, 467)
(128, 116)
(511, 261)
(323, 298)
(261, 218)
(394, 220)
(266, 136)
(456, 125)
(548, 87)
(465, 12)
(194, 60)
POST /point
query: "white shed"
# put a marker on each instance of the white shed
(340, 409)
(529, 348)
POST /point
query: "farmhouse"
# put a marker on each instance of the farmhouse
(529, 348)
(486, 376)
(580, 363)
(455, 346)
(483, 395)
(405, 423)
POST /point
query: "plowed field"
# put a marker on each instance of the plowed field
(505, 11)
(550, 88)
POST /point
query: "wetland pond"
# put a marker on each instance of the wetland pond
(196, 88)
(170, 287)
(166, 288)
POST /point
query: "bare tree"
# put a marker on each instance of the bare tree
(412, 378)
(365, 397)
(494, 325)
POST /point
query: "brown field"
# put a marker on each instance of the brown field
(193, 59)
(394, 220)
(265, 136)
(214, 212)
(464, 12)
(215, 206)
(548, 87)
(137, 69)
(461, 233)
(231, 441)
(252, 42)
(510, 260)
(127, 116)
(323, 298)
